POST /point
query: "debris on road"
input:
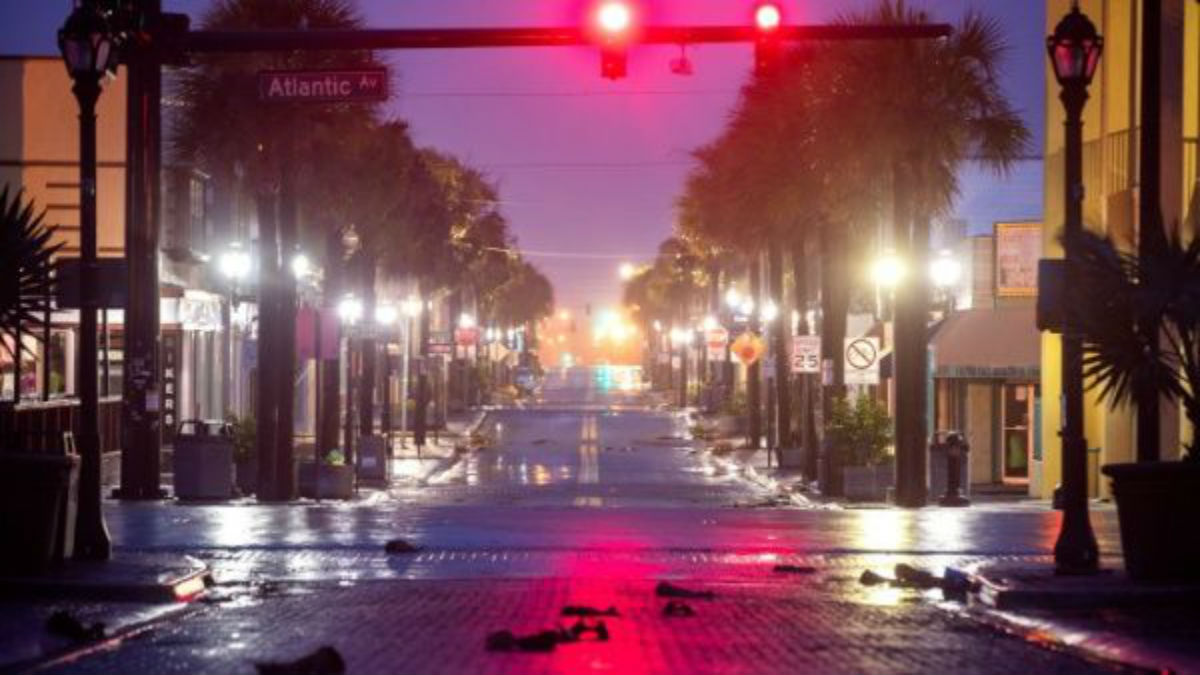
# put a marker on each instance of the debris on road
(324, 661)
(953, 584)
(678, 608)
(872, 578)
(584, 610)
(581, 628)
(398, 546)
(64, 624)
(669, 590)
(540, 441)
(545, 641)
(795, 569)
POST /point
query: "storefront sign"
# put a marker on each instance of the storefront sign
(1018, 248)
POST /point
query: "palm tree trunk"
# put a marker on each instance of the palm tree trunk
(835, 304)
(268, 367)
(285, 474)
(367, 350)
(754, 371)
(781, 331)
(805, 429)
(909, 362)
(331, 369)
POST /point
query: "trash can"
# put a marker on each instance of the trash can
(371, 461)
(203, 460)
(939, 463)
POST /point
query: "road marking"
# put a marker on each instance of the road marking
(589, 456)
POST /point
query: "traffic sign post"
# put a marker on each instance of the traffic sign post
(862, 360)
(806, 354)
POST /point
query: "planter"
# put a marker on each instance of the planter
(33, 491)
(202, 466)
(247, 476)
(336, 481)
(1158, 505)
(867, 483)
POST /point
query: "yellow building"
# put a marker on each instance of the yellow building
(1110, 174)
(39, 153)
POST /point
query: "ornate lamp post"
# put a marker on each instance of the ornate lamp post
(86, 43)
(1074, 51)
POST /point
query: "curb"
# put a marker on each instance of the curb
(168, 586)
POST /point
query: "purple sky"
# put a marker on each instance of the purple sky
(590, 168)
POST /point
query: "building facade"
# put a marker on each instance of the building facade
(1111, 126)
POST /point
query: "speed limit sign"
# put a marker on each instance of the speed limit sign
(806, 354)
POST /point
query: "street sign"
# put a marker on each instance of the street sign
(806, 354)
(862, 360)
(716, 338)
(111, 277)
(748, 348)
(323, 86)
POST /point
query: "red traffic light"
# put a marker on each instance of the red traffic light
(768, 17)
(614, 17)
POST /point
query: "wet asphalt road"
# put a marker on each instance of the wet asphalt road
(581, 497)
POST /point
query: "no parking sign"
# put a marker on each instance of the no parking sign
(862, 360)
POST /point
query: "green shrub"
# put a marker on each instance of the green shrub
(860, 430)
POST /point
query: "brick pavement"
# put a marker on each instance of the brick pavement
(793, 625)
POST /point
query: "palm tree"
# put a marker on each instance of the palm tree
(224, 129)
(26, 256)
(918, 110)
(1122, 359)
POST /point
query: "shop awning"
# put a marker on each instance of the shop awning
(988, 344)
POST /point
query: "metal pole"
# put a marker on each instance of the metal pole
(404, 380)
(228, 371)
(1075, 552)
(91, 534)
(140, 414)
(1150, 225)
(105, 369)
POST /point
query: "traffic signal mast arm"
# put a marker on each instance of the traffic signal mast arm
(466, 38)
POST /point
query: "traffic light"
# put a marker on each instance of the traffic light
(768, 18)
(614, 21)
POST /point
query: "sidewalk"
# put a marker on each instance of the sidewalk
(442, 451)
(94, 602)
(1106, 616)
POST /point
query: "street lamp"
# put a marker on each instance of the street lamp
(411, 308)
(350, 310)
(888, 271)
(1074, 51)
(946, 271)
(627, 271)
(86, 43)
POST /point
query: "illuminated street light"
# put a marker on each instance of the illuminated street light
(234, 263)
(888, 271)
(350, 310)
(386, 315)
(564, 315)
(733, 299)
(627, 271)
(680, 336)
(466, 320)
(710, 323)
(770, 312)
(411, 307)
(945, 271)
(301, 266)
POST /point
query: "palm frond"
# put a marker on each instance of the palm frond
(26, 256)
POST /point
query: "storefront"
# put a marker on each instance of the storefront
(986, 373)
